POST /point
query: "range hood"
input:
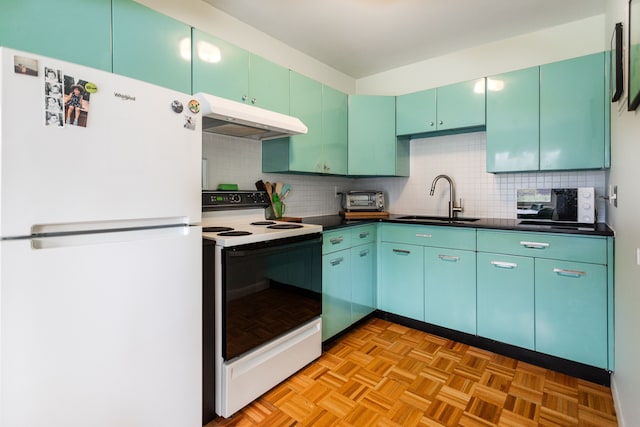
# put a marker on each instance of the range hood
(232, 118)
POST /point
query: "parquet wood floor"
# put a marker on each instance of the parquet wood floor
(384, 374)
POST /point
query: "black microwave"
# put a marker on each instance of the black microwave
(565, 205)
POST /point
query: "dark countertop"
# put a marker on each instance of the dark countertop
(331, 222)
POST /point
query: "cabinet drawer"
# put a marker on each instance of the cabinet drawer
(443, 237)
(336, 240)
(544, 245)
(362, 235)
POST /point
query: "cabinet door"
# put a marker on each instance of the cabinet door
(372, 135)
(401, 283)
(150, 46)
(506, 299)
(334, 131)
(461, 105)
(513, 121)
(571, 311)
(416, 112)
(305, 151)
(363, 283)
(450, 288)
(572, 114)
(268, 85)
(219, 68)
(336, 293)
(77, 31)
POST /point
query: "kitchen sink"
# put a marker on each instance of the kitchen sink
(421, 218)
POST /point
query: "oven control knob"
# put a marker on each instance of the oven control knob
(234, 198)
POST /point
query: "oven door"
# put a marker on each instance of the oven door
(269, 288)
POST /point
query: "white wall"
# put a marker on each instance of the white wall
(625, 152)
(552, 44)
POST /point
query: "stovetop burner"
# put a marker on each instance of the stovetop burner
(285, 226)
(235, 233)
(215, 229)
(263, 223)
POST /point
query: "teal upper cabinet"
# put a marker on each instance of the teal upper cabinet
(225, 70)
(150, 46)
(268, 85)
(305, 153)
(373, 147)
(552, 117)
(448, 108)
(77, 31)
(219, 68)
(323, 149)
(416, 112)
(513, 134)
(572, 114)
(461, 105)
(334, 131)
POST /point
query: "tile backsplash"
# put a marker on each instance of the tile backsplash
(462, 157)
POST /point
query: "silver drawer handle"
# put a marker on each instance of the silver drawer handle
(364, 234)
(428, 236)
(337, 261)
(449, 258)
(502, 264)
(534, 245)
(569, 273)
(336, 240)
(364, 253)
(401, 252)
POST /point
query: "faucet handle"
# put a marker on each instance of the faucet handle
(458, 208)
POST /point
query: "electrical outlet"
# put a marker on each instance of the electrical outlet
(613, 195)
(637, 256)
(335, 192)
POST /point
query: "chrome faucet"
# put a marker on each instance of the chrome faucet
(453, 209)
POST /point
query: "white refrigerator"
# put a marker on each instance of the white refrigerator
(100, 257)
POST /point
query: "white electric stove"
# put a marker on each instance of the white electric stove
(262, 299)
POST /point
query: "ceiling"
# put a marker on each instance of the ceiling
(365, 37)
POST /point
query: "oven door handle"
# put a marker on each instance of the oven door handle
(274, 246)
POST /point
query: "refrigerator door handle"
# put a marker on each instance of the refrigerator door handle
(118, 236)
(115, 225)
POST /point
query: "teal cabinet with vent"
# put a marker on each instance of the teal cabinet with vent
(459, 106)
(374, 149)
(77, 31)
(513, 121)
(150, 46)
(223, 69)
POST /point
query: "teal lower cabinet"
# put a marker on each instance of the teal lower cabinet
(401, 280)
(450, 288)
(506, 299)
(566, 281)
(571, 311)
(363, 297)
(348, 277)
(336, 292)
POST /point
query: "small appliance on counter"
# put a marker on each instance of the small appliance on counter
(556, 205)
(363, 204)
(363, 201)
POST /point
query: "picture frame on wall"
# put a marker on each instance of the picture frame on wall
(634, 55)
(615, 64)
